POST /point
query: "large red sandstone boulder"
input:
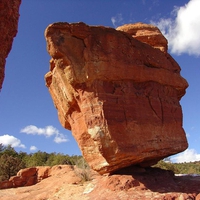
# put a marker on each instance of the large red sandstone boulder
(119, 96)
(9, 15)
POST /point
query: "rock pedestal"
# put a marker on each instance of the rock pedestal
(118, 94)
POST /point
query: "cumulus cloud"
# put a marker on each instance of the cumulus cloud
(34, 130)
(11, 140)
(48, 131)
(60, 138)
(117, 20)
(189, 155)
(182, 29)
(33, 148)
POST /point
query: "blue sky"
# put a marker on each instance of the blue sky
(28, 118)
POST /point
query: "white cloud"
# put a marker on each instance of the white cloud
(189, 155)
(117, 20)
(60, 138)
(48, 131)
(33, 148)
(183, 29)
(34, 130)
(11, 140)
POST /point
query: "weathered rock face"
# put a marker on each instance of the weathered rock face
(27, 177)
(146, 33)
(9, 16)
(118, 95)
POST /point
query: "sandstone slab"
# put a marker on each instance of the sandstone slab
(118, 95)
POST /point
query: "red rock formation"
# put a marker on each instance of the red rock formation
(118, 95)
(26, 177)
(146, 33)
(9, 16)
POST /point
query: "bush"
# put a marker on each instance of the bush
(167, 166)
(83, 170)
(9, 166)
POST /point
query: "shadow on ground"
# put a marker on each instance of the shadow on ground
(145, 183)
(162, 181)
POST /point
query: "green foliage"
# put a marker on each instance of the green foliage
(10, 162)
(8, 150)
(44, 159)
(37, 159)
(1, 148)
(167, 166)
(58, 159)
(180, 168)
(188, 168)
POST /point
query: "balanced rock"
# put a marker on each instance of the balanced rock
(9, 15)
(119, 96)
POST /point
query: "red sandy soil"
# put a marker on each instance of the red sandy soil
(65, 183)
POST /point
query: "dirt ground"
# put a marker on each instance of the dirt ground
(65, 183)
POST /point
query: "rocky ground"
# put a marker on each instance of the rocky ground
(66, 182)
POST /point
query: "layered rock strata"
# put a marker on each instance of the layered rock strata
(119, 96)
(9, 15)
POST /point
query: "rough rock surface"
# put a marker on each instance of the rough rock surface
(132, 183)
(118, 95)
(146, 33)
(9, 16)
